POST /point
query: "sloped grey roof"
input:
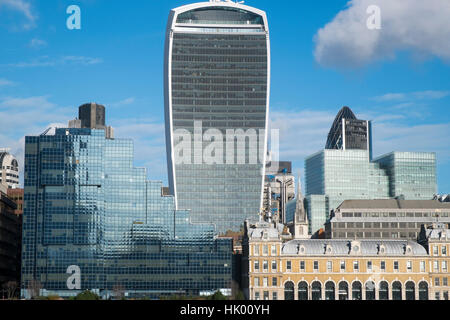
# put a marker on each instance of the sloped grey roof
(438, 233)
(256, 231)
(342, 247)
(425, 220)
(394, 204)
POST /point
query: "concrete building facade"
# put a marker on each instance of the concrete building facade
(9, 169)
(10, 239)
(385, 219)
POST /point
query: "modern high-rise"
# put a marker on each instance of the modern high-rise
(337, 174)
(350, 133)
(217, 84)
(9, 169)
(90, 214)
(411, 174)
(92, 116)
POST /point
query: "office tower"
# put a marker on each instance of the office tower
(386, 219)
(217, 84)
(279, 189)
(88, 211)
(9, 169)
(350, 133)
(10, 239)
(92, 116)
(335, 175)
(411, 174)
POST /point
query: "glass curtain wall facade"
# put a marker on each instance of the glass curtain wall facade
(411, 174)
(340, 175)
(333, 176)
(87, 206)
(350, 133)
(217, 81)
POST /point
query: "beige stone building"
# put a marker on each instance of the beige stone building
(437, 240)
(303, 269)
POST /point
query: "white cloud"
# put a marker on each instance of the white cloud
(30, 102)
(418, 26)
(421, 138)
(37, 43)
(301, 133)
(419, 95)
(391, 97)
(22, 116)
(5, 82)
(24, 7)
(46, 61)
(124, 102)
(430, 94)
(80, 60)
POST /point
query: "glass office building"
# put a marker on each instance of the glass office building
(217, 81)
(411, 174)
(341, 175)
(345, 171)
(333, 176)
(87, 206)
(350, 133)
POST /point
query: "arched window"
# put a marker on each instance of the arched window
(383, 291)
(397, 290)
(289, 291)
(410, 290)
(356, 290)
(316, 291)
(330, 291)
(303, 291)
(343, 290)
(370, 290)
(423, 291)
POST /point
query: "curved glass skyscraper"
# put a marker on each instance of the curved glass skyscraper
(217, 84)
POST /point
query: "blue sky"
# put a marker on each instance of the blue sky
(323, 57)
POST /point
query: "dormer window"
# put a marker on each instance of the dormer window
(355, 247)
(301, 249)
(408, 250)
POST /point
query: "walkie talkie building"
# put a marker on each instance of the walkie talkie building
(217, 84)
